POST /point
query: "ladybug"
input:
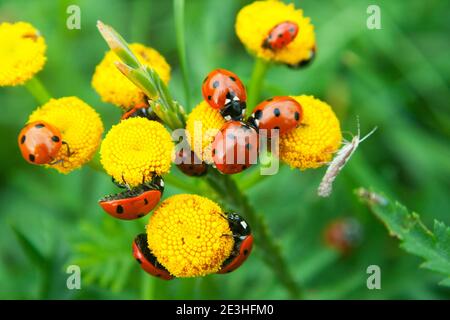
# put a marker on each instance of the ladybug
(343, 234)
(280, 36)
(235, 147)
(243, 243)
(306, 62)
(282, 113)
(147, 260)
(40, 142)
(188, 163)
(223, 90)
(140, 110)
(134, 203)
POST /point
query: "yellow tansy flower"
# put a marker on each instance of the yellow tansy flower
(313, 143)
(113, 87)
(22, 53)
(256, 20)
(135, 150)
(202, 125)
(80, 126)
(190, 236)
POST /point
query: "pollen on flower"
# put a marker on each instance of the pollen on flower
(202, 125)
(135, 150)
(312, 144)
(256, 20)
(22, 53)
(81, 130)
(113, 87)
(190, 236)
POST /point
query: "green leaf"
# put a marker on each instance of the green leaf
(30, 250)
(433, 246)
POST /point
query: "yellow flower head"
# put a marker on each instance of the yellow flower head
(312, 144)
(189, 235)
(22, 53)
(256, 20)
(113, 87)
(202, 125)
(80, 126)
(135, 150)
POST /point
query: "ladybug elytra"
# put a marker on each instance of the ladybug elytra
(223, 90)
(282, 113)
(280, 36)
(134, 203)
(40, 142)
(147, 260)
(235, 147)
(188, 163)
(243, 243)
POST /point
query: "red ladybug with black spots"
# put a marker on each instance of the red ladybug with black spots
(282, 113)
(135, 202)
(188, 163)
(140, 110)
(147, 260)
(223, 90)
(243, 243)
(235, 147)
(280, 35)
(40, 142)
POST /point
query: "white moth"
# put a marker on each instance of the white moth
(339, 161)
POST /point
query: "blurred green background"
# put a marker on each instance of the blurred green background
(396, 78)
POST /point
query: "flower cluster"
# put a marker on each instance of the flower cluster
(114, 88)
(255, 22)
(80, 127)
(187, 235)
(22, 53)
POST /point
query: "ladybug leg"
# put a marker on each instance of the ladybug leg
(56, 162)
(125, 183)
(69, 153)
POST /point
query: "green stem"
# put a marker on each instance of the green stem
(230, 194)
(178, 8)
(38, 90)
(254, 89)
(147, 287)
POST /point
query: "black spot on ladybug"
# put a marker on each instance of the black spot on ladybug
(213, 152)
(209, 97)
(276, 112)
(244, 167)
(277, 127)
(245, 252)
(55, 139)
(39, 125)
(22, 140)
(145, 201)
(297, 116)
(119, 209)
(215, 84)
(232, 78)
(258, 114)
(280, 35)
(191, 167)
(270, 99)
(139, 260)
(31, 157)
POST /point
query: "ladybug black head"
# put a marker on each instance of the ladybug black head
(234, 108)
(238, 225)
